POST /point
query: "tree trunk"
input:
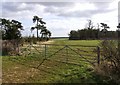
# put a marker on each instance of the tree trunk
(42, 36)
(37, 30)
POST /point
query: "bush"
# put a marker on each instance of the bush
(10, 47)
(111, 59)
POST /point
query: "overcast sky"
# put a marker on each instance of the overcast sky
(62, 17)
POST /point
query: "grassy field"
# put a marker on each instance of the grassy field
(56, 69)
(77, 42)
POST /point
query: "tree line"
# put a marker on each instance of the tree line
(40, 25)
(92, 32)
(11, 29)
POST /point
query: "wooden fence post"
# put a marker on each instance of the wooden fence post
(98, 55)
(30, 47)
(45, 50)
(66, 53)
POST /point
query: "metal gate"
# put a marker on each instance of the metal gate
(50, 56)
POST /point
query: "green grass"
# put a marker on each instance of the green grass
(77, 42)
(17, 69)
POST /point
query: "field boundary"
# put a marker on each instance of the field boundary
(45, 49)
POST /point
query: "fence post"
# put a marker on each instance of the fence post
(98, 55)
(66, 53)
(45, 50)
(30, 47)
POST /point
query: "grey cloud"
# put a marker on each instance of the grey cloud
(83, 14)
(98, 5)
(119, 12)
(76, 14)
(13, 9)
(59, 0)
(62, 11)
(102, 5)
(53, 4)
(57, 4)
(56, 8)
(10, 6)
(14, 6)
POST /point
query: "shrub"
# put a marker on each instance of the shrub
(10, 47)
(111, 59)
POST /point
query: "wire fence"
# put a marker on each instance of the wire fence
(64, 53)
(53, 57)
